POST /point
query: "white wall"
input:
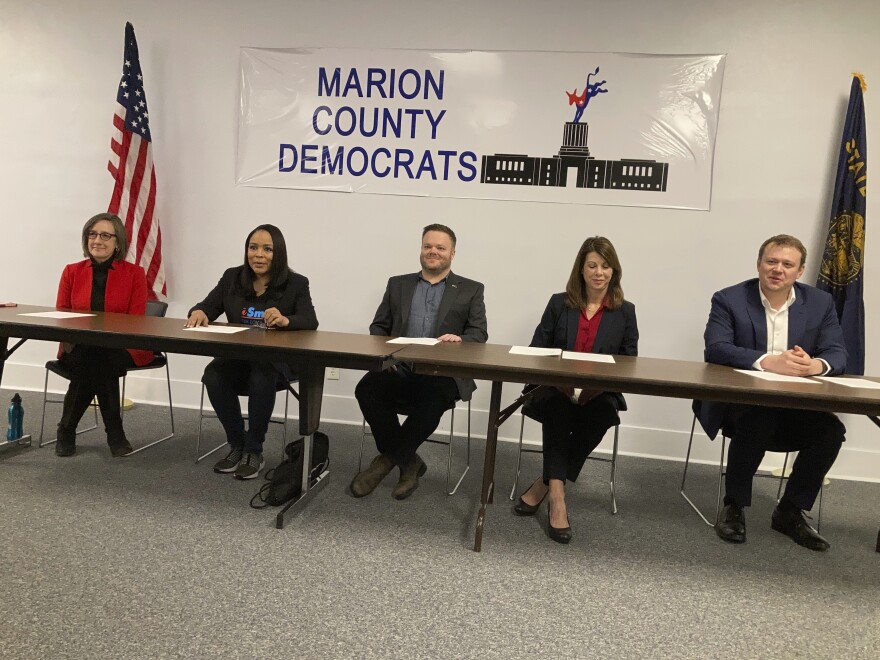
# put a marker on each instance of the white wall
(784, 98)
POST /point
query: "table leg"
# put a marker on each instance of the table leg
(876, 421)
(311, 392)
(489, 462)
(4, 343)
(25, 440)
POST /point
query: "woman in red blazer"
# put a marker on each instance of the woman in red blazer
(103, 282)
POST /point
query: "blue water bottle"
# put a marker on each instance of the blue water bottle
(16, 420)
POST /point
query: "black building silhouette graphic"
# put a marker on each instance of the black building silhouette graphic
(574, 159)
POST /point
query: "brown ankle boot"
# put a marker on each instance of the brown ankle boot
(365, 482)
(409, 478)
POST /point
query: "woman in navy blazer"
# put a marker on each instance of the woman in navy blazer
(103, 282)
(263, 292)
(590, 316)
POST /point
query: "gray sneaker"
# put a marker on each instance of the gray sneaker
(250, 466)
(228, 464)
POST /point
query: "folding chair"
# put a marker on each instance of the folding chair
(402, 408)
(525, 450)
(160, 360)
(721, 472)
(288, 390)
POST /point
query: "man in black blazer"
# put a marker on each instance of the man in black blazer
(433, 302)
(775, 324)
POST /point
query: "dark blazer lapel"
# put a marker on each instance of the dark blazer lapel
(609, 321)
(571, 327)
(450, 293)
(797, 320)
(407, 289)
(758, 317)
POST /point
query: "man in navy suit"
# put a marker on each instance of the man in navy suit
(774, 323)
(437, 303)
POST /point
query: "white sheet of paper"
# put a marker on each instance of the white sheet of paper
(534, 350)
(779, 378)
(850, 382)
(219, 329)
(423, 341)
(587, 357)
(57, 315)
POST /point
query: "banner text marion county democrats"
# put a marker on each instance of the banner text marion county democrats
(388, 123)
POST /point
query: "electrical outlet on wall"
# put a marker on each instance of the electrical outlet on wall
(332, 373)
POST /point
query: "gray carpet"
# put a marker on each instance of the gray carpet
(152, 556)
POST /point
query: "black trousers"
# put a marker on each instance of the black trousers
(754, 430)
(381, 394)
(94, 372)
(226, 380)
(570, 431)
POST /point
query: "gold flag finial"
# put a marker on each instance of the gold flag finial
(862, 82)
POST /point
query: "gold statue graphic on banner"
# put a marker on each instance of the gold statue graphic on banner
(844, 250)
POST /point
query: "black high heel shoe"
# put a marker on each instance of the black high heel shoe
(558, 534)
(523, 509)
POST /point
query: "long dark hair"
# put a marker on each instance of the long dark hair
(278, 270)
(576, 290)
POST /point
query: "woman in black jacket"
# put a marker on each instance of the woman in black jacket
(591, 316)
(263, 292)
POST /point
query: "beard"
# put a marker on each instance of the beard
(442, 265)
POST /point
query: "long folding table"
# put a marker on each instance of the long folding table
(312, 351)
(636, 375)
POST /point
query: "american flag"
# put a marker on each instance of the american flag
(134, 194)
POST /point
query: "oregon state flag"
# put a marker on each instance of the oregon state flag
(842, 269)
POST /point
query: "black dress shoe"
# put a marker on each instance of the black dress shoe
(794, 525)
(558, 534)
(120, 447)
(731, 525)
(523, 509)
(65, 447)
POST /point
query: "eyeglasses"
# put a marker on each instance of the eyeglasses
(103, 235)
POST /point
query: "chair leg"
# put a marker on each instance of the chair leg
(519, 453)
(449, 461)
(687, 461)
(782, 478)
(170, 406)
(449, 448)
(199, 436)
(364, 434)
(170, 411)
(720, 479)
(469, 437)
(284, 431)
(614, 469)
(43, 416)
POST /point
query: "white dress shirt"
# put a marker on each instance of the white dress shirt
(777, 329)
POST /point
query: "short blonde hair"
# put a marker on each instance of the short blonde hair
(784, 240)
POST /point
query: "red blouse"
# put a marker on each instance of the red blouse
(587, 329)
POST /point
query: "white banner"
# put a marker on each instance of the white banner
(581, 128)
